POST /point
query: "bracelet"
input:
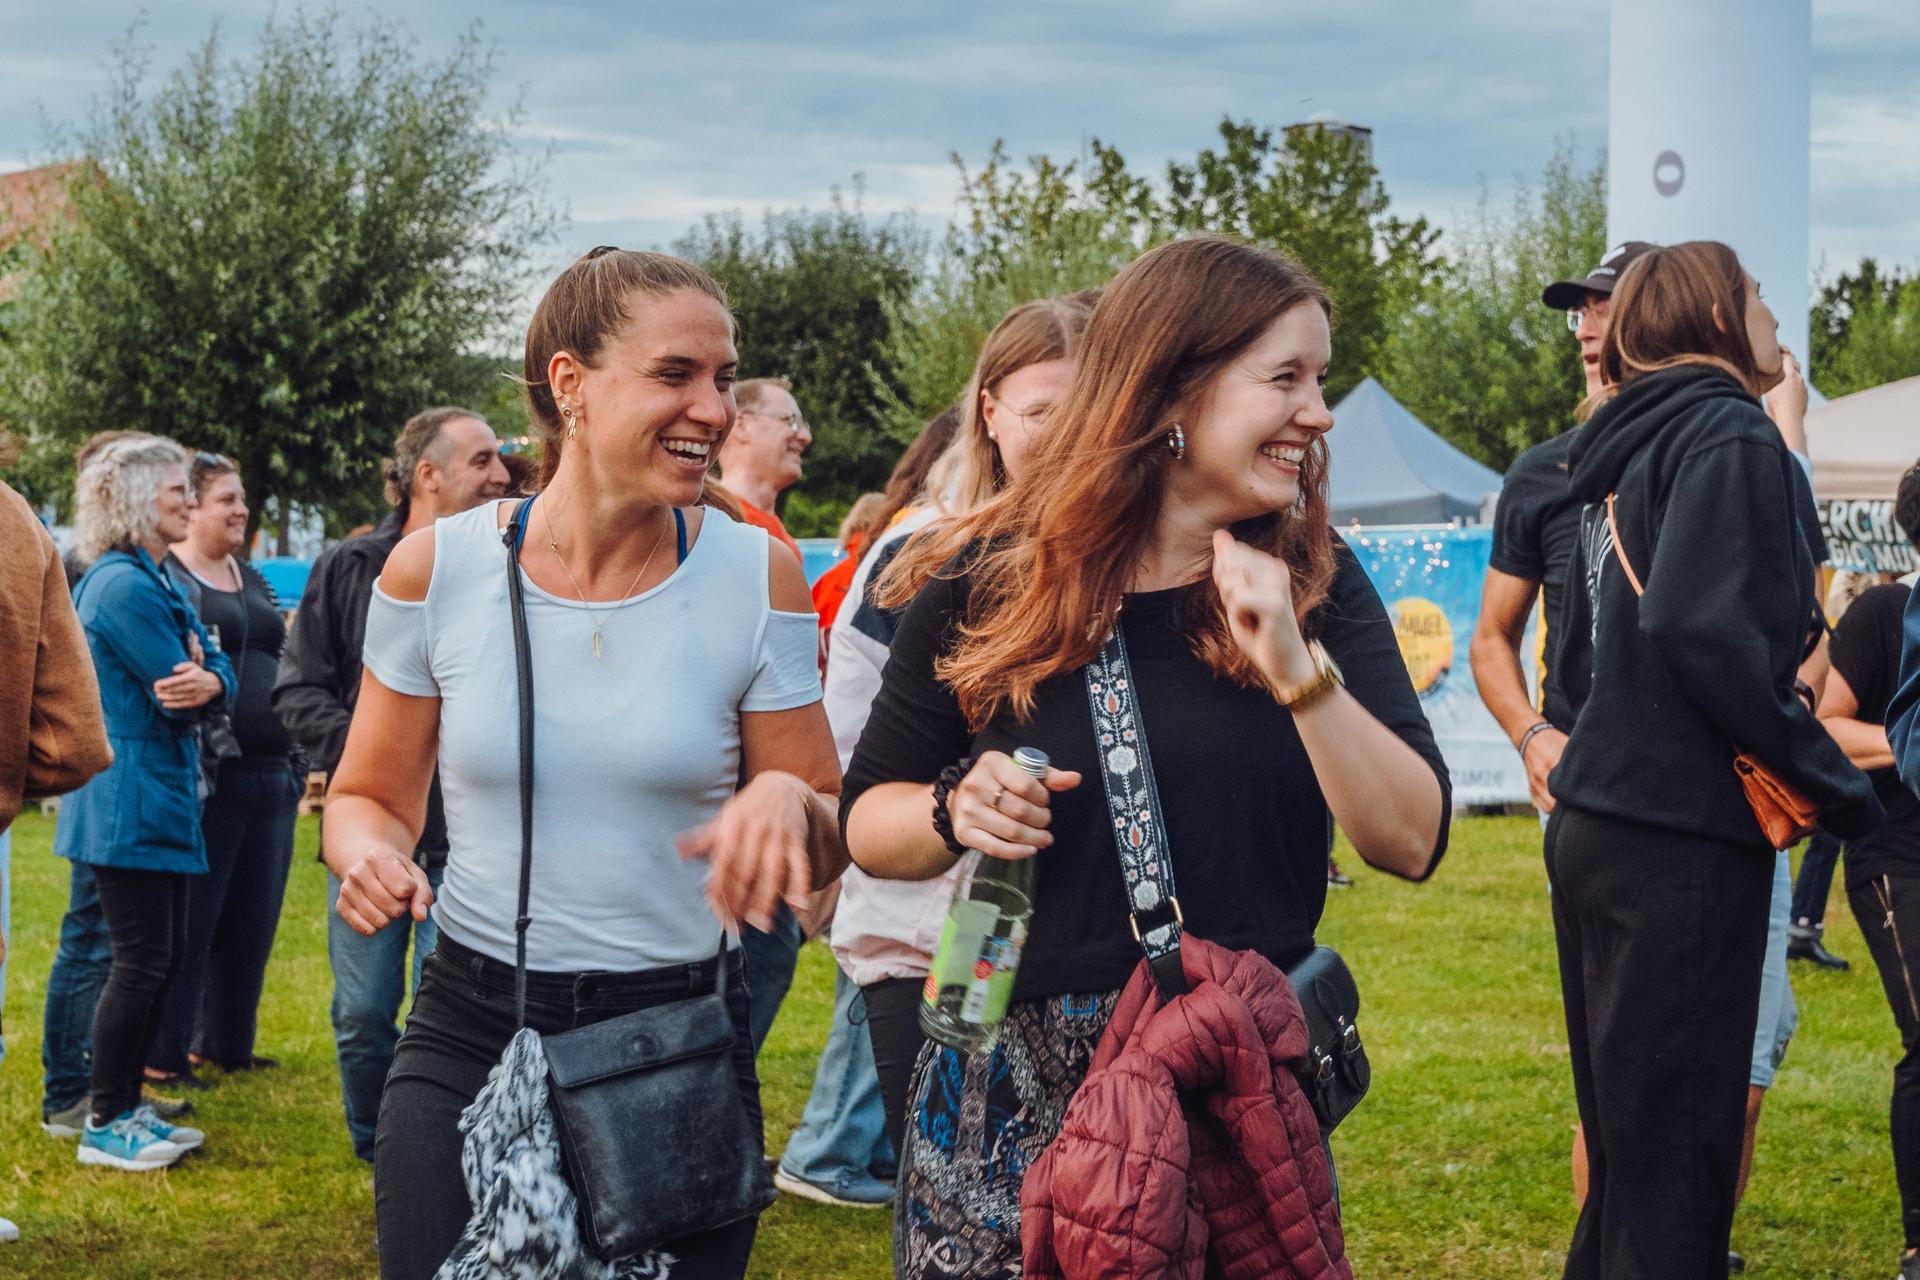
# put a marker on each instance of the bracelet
(942, 789)
(1527, 738)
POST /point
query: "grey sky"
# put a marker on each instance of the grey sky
(659, 114)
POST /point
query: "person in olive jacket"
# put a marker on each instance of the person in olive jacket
(1661, 873)
(138, 823)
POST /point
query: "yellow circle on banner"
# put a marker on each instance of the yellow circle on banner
(1426, 641)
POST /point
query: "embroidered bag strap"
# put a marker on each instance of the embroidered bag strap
(1133, 803)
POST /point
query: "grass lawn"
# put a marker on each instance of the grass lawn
(1456, 1165)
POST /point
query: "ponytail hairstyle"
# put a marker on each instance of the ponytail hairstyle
(581, 312)
(1049, 558)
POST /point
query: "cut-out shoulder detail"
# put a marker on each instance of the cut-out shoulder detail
(787, 589)
(409, 570)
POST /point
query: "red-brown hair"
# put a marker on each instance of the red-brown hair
(1049, 558)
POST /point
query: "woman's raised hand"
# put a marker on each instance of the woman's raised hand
(380, 886)
(757, 848)
(1257, 590)
(1004, 811)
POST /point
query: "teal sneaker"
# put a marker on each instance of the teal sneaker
(179, 1135)
(125, 1143)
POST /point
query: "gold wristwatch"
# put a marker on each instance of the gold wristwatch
(1326, 678)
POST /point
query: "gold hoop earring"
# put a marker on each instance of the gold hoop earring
(1177, 442)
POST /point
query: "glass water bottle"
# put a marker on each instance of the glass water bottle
(979, 953)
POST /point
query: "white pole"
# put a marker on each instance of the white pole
(1709, 126)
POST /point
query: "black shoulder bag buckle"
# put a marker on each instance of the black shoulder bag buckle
(1337, 1074)
(655, 1138)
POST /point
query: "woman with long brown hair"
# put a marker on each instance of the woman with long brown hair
(1179, 494)
(1691, 603)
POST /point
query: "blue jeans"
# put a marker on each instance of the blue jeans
(842, 1136)
(369, 984)
(768, 959)
(73, 990)
(1810, 891)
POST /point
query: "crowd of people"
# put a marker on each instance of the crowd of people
(600, 762)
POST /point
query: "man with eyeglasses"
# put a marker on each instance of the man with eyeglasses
(761, 457)
(1535, 529)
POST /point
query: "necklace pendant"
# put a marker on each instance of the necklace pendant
(596, 642)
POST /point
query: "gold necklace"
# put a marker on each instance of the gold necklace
(598, 620)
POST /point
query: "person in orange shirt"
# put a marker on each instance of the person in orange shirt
(761, 457)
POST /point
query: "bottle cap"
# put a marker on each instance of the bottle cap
(1033, 760)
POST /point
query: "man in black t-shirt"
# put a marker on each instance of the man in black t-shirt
(1535, 527)
(1883, 868)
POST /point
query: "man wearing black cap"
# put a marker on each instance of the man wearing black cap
(1535, 527)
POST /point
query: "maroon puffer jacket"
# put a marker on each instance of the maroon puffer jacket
(1136, 1186)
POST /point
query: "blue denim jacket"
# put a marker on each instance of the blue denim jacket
(143, 812)
(1903, 712)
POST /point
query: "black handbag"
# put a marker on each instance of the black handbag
(655, 1139)
(1337, 1074)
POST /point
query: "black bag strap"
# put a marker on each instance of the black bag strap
(523, 667)
(1133, 803)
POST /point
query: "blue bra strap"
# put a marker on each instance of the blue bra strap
(679, 536)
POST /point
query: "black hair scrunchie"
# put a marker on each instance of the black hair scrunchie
(942, 789)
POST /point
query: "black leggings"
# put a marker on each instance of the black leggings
(461, 1021)
(146, 915)
(1888, 909)
(893, 1022)
(1661, 939)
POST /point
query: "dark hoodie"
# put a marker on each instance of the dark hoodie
(1711, 512)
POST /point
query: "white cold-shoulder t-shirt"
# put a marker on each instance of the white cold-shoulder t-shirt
(630, 749)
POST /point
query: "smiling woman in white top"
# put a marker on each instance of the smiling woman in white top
(673, 658)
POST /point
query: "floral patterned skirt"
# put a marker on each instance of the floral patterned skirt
(975, 1124)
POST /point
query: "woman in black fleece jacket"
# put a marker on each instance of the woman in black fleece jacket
(1660, 873)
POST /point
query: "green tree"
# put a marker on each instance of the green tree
(1477, 357)
(280, 259)
(1052, 229)
(1314, 193)
(1865, 329)
(815, 294)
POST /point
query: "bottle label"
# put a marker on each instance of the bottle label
(990, 984)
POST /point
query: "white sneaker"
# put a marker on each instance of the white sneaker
(8, 1232)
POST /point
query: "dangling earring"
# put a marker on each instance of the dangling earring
(1177, 442)
(566, 411)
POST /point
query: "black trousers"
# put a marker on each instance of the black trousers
(233, 912)
(146, 915)
(461, 1021)
(1661, 937)
(1888, 909)
(1815, 881)
(893, 1022)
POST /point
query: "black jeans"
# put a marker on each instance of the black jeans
(461, 1021)
(893, 1023)
(1815, 881)
(146, 914)
(232, 914)
(1661, 938)
(1888, 909)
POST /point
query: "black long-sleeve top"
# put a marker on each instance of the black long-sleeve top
(1247, 825)
(1702, 666)
(319, 679)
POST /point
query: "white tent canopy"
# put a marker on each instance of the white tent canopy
(1390, 468)
(1861, 445)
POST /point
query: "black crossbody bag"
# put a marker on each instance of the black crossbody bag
(1337, 1073)
(655, 1139)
